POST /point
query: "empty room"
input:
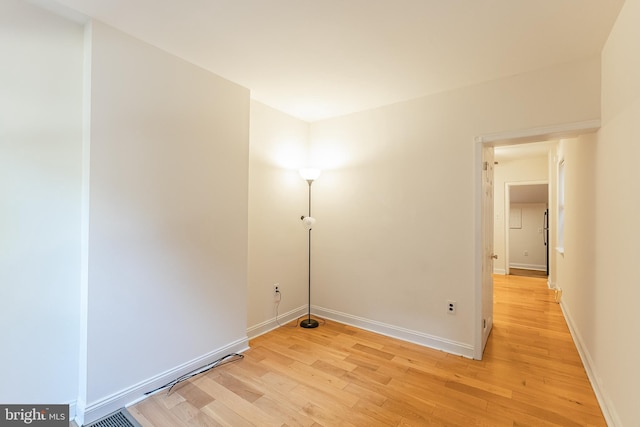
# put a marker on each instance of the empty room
(219, 212)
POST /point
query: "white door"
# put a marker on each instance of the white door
(487, 242)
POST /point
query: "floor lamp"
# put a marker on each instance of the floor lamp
(309, 175)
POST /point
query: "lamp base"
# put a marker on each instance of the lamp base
(309, 323)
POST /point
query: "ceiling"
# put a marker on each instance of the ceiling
(318, 59)
(506, 153)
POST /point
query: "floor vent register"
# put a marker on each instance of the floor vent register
(121, 418)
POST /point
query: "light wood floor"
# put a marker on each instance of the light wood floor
(337, 375)
(528, 273)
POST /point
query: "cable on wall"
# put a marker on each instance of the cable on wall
(297, 320)
(222, 361)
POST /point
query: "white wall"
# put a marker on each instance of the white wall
(601, 286)
(277, 199)
(575, 267)
(526, 244)
(511, 171)
(40, 180)
(167, 234)
(398, 234)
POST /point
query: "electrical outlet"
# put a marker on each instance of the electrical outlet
(276, 290)
(451, 307)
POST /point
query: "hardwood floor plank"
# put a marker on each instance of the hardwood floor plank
(282, 409)
(410, 413)
(225, 416)
(372, 374)
(241, 388)
(306, 375)
(376, 412)
(373, 351)
(481, 385)
(325, 417)
(203, 420)
(156, 413)
(530, 375)
(185, 411)
(139, 416)
(193, 394)
(365, 394)
(330, 368)
(446, 396)
(235, 404)
(463, 417)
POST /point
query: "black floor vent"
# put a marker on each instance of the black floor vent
(121, 418)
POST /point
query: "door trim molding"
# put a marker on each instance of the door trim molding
(539, 134)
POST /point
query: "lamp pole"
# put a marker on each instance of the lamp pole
(309, 322)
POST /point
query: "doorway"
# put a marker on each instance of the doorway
(484, 309)
(526, 222)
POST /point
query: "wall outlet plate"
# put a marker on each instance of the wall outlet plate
(451, 307)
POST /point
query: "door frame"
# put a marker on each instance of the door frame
(548, 133)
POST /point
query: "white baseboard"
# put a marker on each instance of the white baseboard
(608, 411)
(135, 393)
(415, 337)
(536, 267)
(271, 324)
(72, 410)
(79, 416)
(499, 271)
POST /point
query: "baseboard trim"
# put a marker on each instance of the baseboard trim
(608, 411)
(392, 331)
(501, 271)
(72, 409)
(271, 324)
(135, 393)
(536, 267)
